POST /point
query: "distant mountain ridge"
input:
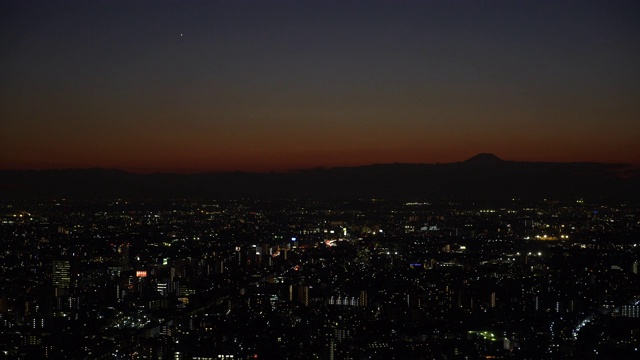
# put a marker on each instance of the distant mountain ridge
(484, 158)
(484, 176)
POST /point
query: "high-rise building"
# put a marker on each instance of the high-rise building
(332, 349)
(632, 311)
(163, 287)
(362, 300)
(303, 294)
(123, 256)
(299, 293)
(61, 277)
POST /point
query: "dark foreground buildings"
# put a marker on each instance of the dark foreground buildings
(366, 279)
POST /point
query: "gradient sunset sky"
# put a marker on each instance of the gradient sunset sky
(275, 85)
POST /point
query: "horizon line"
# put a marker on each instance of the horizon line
(185, 171)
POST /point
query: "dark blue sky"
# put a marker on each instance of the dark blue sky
(273, 85)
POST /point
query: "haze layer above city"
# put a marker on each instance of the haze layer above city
(198, 86)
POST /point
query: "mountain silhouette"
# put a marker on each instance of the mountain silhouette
(484, 159)
(484, 176)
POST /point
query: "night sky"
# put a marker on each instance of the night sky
(192, 86)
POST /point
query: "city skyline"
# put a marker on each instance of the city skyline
(278, 85)
(198, 279)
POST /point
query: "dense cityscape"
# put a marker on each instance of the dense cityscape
(303, 279)
(319, 179)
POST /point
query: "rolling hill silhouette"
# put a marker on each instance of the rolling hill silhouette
(484, 176)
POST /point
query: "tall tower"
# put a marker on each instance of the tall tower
(123, 256)
(362, 299)
(303, 294)
(61, 277)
